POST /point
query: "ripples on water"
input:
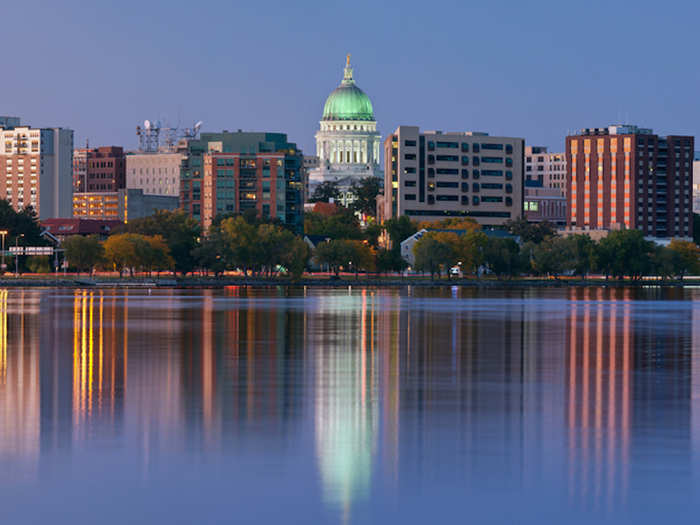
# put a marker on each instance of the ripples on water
(357, 405)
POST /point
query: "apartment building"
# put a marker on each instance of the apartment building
(626, 177)
(544, 169)
(100, 169)
(155, 173)
(545, 204)
(235, 172)
(36, 169)
(433, 175)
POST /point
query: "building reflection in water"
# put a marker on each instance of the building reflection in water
(346, 417)
(19, 383)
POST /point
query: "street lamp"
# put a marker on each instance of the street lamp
(17, 254)
(3, 233)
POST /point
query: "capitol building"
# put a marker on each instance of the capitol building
(347, 145)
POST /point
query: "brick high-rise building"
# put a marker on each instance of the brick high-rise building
(99, 170)
(625, 177)
(433, 175)
(234, 172)
(36, 169)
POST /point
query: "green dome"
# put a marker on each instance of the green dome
(347, 101)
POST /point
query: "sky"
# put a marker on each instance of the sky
(536, 69)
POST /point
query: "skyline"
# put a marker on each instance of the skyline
(112, 67)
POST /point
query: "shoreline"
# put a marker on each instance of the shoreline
(212, 282)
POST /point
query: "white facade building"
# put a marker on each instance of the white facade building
(347, 144)
(154, 173)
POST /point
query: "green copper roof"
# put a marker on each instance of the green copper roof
(347, 101)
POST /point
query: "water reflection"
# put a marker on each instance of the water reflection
(586, 396)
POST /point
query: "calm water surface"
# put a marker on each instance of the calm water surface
(265, 405)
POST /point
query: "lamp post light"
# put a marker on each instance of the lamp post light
(3, 233)
(17, 254)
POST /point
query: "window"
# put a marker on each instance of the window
(431, 199)
(492, 160)
(465, 200)
(491, 186)
(492, 146)
(448, 158)
(465, 161)
(409, 143)
(509, 175)
(509, 188)
(447, 198)
(410, 156)
(431, 145)
(431, 173)
(465, 187)
(431, 186)
(465, 147)
(465, 174)
(475, 148)
(475, 187)
(509, 162)
(475, 174)
(492, 173)
(447, 171)
(431, 159)
(454, 145)
(509, 202)
(448, 185)
(409, 170)
(410, 196)
(491, 199)
(509, 149)
(475, 200)
(475, 161)
(409, 183)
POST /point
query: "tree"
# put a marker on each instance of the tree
(530, 232)
(433, 251)
(553, 256)
(180, 232)
(625, 252)
(335, 254)
(501, 256)
(326, 191)
(685, 257)
(389, 261)
(22, 224)
(399, 229)
(155, 256)
(365, 192)
(83, 253)
(343, 224)
(583, 250)
(297, 257)
(469, 250)
(121, 251)
(239, 243)
(360, 256)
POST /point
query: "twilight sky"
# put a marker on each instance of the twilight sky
(534, 69)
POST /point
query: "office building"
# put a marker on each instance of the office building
(36, 169)
(544, 169)
(99, 170)
(433, 175)
(123, 204)
(235, 172)
(155, 173)
(347, 143)
(625, 177)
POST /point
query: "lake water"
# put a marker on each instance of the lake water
(419, 405)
